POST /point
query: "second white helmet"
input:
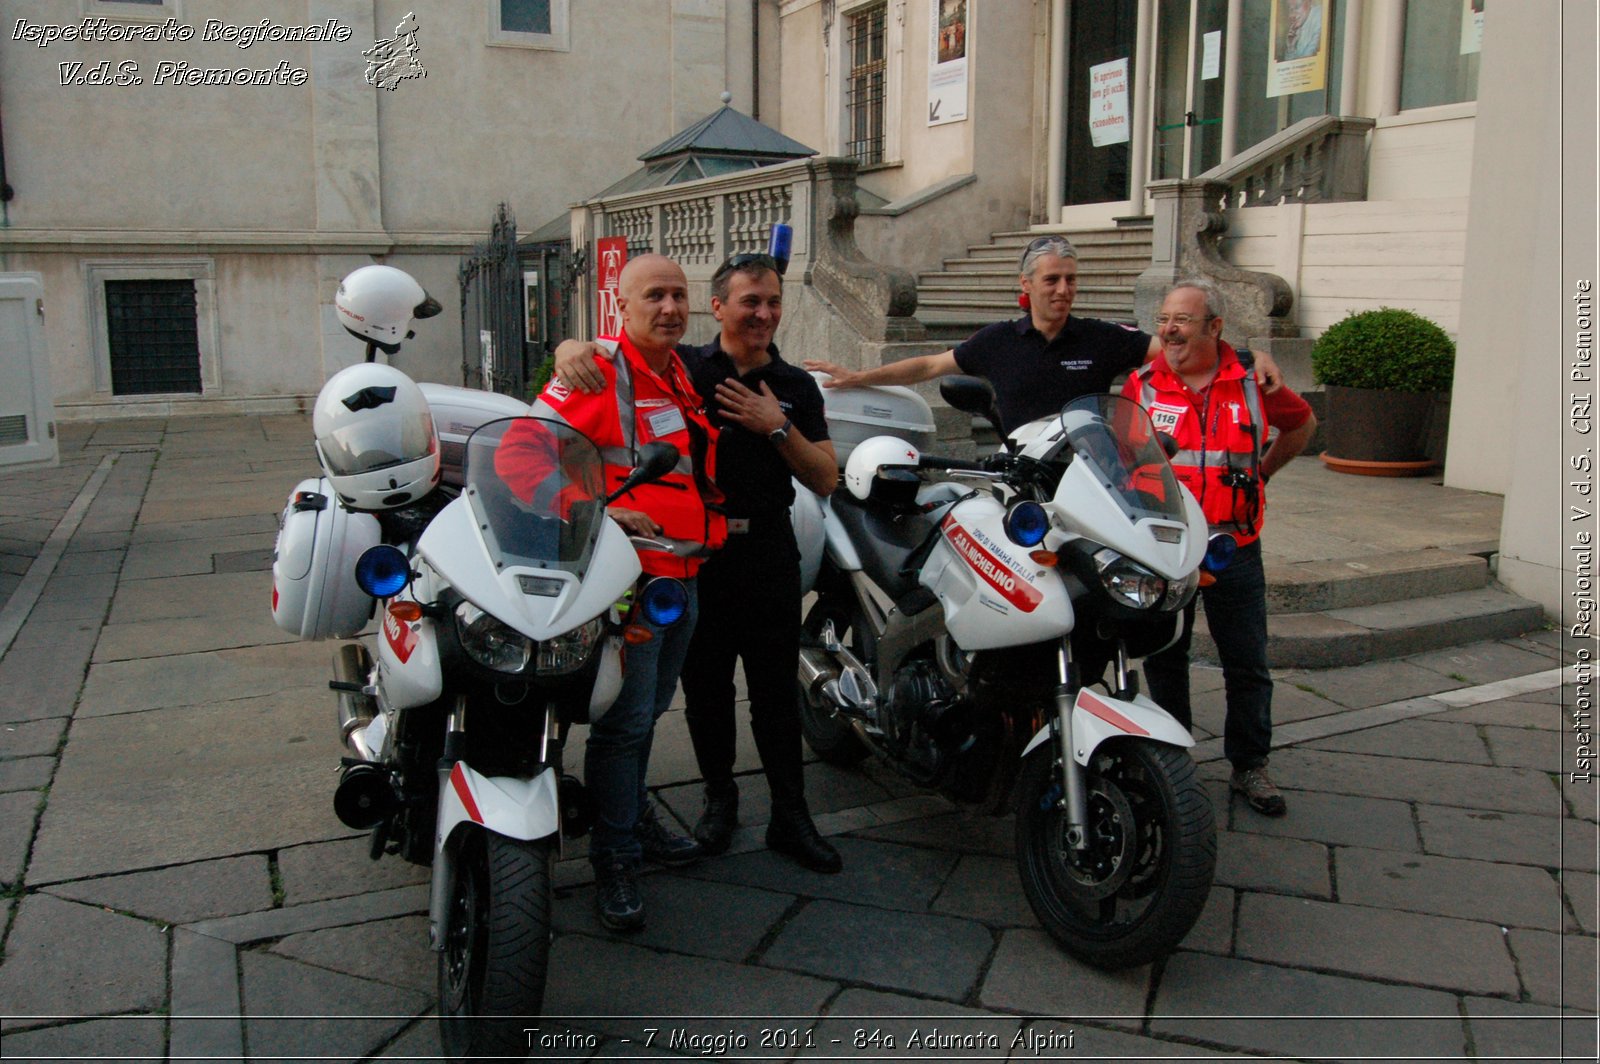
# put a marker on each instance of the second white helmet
(378, 303)
(870, 471)
(375, 437)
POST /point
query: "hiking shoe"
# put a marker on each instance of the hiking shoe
(616, 897)
(660, 843)
(1258, 790)
(714, 830)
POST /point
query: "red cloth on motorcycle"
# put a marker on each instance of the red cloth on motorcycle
(683, 503)
(1212, 428)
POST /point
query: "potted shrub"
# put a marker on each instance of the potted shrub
(1383, 371)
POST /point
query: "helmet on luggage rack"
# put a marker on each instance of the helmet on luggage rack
(883, 469)
(378, 303)
(375, 437)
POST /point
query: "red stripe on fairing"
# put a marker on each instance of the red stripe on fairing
(458, 780)
(1094, 707)
(1017, 588)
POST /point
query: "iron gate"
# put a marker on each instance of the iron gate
(515, 308)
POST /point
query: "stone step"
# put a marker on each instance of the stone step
(1331, 585)
(1003, 275)
(1351, 636)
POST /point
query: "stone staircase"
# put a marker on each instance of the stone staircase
(1336, 613)
(981, 287)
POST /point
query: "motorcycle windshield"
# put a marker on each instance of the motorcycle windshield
(1114, 435)
(537, 490)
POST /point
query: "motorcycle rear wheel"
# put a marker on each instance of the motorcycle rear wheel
(1136, 891)
(829, 735)
(497, 946)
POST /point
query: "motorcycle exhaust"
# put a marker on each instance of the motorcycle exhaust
(838, 679)
(366, 794)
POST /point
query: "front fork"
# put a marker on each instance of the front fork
(1074, 788)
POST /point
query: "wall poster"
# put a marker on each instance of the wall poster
(947, 63)
(1299, 58)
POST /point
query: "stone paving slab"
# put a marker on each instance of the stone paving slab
(1278, 865)
(1030, 974)
(114, 1038)
(875, 873)
(239, 629)
(1339, 819)
(1431, 951)
(1482, 662)
(986, 889)
(699, 918)
(1460, 743)
(25, 774)
(933, 956)
(1512, 713)
(179, 597)
(1213, 931)
(383, 951)
(1516, 838)
(90, 562)
(1517, 1030)
(1507, 894)
(124, 972)
(1377, 682)
(1582, 890)
(619, 989)
(1532, 748)
(289, 1009)
(180, 894)
(215, 677)
(959, 832)
(1407, 779)
(339, 868)
(1287, 1012)
(147, 561)
(242, 524)
(19, 812)
(32, 738)
(1556, 969)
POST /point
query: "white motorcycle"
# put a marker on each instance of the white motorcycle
(501, 623)
(957, 603)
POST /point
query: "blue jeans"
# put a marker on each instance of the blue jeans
(1236, 612)
(618, 750)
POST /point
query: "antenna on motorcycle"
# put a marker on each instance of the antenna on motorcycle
(972, 395)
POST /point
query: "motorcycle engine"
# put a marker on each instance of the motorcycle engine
(914, 716)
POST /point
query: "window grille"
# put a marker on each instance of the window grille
(866, 57)
(152, 333)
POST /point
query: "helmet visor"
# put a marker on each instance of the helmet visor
(377, 443)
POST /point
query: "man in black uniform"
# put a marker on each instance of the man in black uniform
(1042, 360)
(771, 427)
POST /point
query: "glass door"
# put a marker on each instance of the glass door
(1099, 114)
(1189, 59)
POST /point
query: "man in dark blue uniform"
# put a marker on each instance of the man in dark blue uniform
(1041, 361)
(771, 424)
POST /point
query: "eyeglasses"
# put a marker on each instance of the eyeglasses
(760, 258)
(1182, 321)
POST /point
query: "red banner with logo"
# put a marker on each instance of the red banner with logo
(611, 252)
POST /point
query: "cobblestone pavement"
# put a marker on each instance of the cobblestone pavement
(177, 887)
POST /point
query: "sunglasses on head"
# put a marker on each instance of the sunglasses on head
(757, 258)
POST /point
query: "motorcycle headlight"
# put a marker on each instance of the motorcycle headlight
(567, 653)
(1127, 583)
(490, 643)
(1179, 592)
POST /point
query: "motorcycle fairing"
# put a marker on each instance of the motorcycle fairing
(993, 594)
(1097, 717)
(1095, 515)
(884, 541)
(409, 671)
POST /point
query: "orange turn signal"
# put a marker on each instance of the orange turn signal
(1046, 558)
(1207, 578)
(405, 611)
(634, 634)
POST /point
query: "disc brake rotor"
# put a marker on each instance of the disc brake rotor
(1101, 869)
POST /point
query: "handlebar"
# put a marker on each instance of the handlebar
(931, 461)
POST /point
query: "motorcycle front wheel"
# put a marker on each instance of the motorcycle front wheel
(1136, 890)
(497, 946)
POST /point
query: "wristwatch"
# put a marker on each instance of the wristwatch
(781, 433)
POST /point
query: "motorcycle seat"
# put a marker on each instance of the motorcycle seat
(884, 539)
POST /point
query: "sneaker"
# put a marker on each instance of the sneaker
(616, 897)
(1258, 790)
(714, 830)
(660, 843)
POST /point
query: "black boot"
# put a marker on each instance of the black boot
(715, 828)
(792, 833)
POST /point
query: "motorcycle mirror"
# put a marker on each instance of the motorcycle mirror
(1168, 444)
(656, 460)
(972, 395)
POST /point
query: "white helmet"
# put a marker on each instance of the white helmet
(377, 303)
(869, 473)
(375, 437)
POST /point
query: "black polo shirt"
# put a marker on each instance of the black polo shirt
(750, 471)
(1034, 378)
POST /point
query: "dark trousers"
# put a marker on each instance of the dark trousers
(749, 611)
(1236, 612)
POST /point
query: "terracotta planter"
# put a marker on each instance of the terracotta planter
(1376, 432)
